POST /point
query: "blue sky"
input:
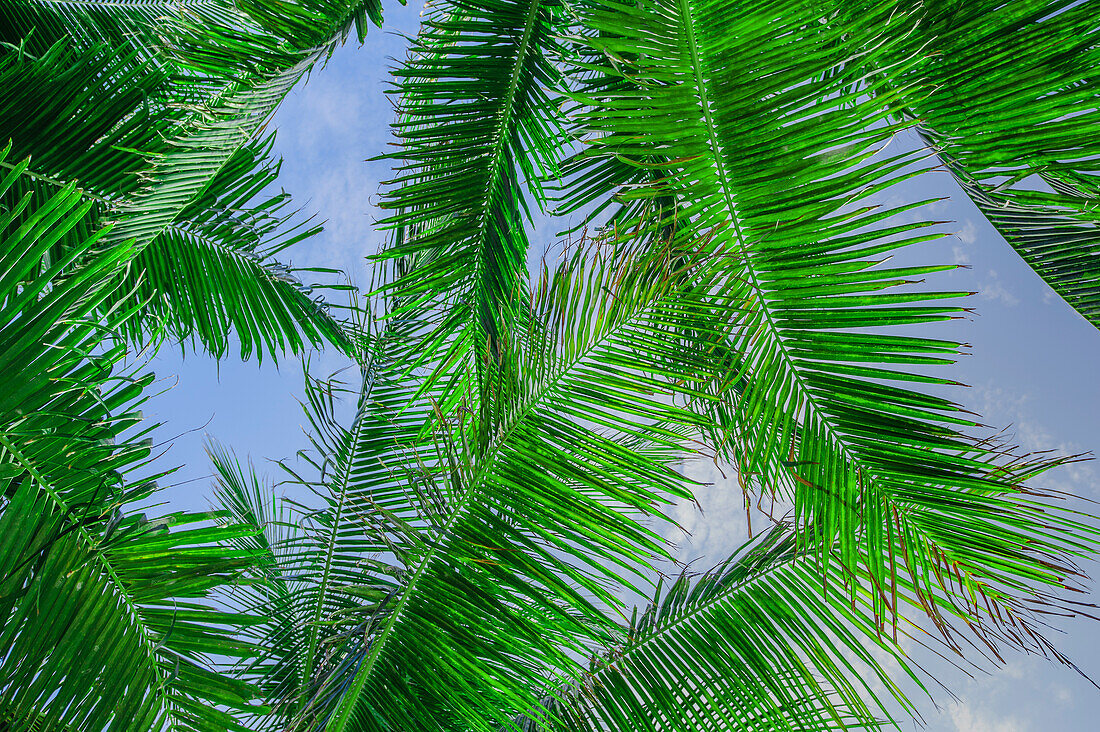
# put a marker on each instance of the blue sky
(1032, 368)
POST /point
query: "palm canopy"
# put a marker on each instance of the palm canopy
(158, 110)
(106, 618)
(109, 618)
(516, 436)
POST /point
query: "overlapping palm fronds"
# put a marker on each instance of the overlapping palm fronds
(448, 557)
(478, 130)
(779, 164)
(1007, 95)
(156, 109)
(499, 536)
(103, 616)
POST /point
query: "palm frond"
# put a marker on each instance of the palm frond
(97, 22)
(104, 623)
(1006, 94)
(84, 114)
(204, 157)
(478, 129)
(502, 532)
(772, 173)
(277, 670)
(767, 640)
(214, 271)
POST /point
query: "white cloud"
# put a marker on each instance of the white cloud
(967, 718)
(713, 533)
(718, 526)
(982, 707)
(342, 197)
(993, 289)
(968, 234)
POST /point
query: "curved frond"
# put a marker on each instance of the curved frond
(1007, 95)
(169, 168)
(478, 129)
(83, 114)
(214, 271)
(204, 156)
(767, 640)
(103, 618)
(772, 172)
(113, 22)
(307, 31)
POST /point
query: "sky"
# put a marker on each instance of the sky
(1031, 369)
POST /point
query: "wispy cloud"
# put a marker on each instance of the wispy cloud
(1016, 412)
(993, 288)
(968, 718)
(720, 527)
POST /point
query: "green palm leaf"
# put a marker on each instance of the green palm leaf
(213, 269)
(214, 272)
(111, 22)
(105, 104)
(767, 640)
(261, 302)
(104, 623)
(478, 129)
(1006, 94)
(772, 171)
(315, 590)
(271, 64)
(277, 670)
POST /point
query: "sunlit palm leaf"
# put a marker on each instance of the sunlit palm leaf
(761, 128)
(768, 640)
(111, 22)
(214, 272)
(271, 65)
(104, 624)
(1007, 93)
(478, 129)
(84, 114)
(213, 269)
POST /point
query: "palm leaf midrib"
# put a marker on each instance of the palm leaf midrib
(330, 545)
(60, 184)
(759, 293)
(782, 560)
(121, 590)
(499, 158)
(508, 105)
(474, 488)
(850, 454)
